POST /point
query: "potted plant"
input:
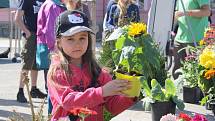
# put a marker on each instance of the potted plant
(206, 80)
(133, 58)
(189, 72)
(163, 100)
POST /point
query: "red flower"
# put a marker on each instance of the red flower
(85, 111)
(185, 117)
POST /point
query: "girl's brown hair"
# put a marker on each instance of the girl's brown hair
(88, 58)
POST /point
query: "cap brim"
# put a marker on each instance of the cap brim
(76, 29)
(115, 34)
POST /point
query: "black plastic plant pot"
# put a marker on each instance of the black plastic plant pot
(212, 103)
(192, 95)
(160, 109)
(213, 109)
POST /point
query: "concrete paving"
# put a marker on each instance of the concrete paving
(9, 81)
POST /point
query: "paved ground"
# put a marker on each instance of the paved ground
(9, 80)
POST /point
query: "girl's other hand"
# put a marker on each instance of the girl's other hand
(115, 87)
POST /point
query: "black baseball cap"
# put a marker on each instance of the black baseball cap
(69, 23)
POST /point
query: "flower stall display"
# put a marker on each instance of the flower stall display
(207, 65)
(136, 56)
(183, 117)
(163, 100)
(189, 71)
(209, 36)
(207, 75)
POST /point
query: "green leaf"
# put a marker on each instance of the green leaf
(146, 88)
(179, 103)
(204, 100)
(154, 83)
(157, 93)
(120, 42)
(116, 56)
(170, 87)
(147, 103)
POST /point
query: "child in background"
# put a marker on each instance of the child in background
(122, 13)
(47, 15)
(75, 79)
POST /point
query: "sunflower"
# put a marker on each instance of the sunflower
(136, 29)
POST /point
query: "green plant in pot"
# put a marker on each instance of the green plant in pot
(207, 74)
(163, 100)
(135, 55)
(190, 70)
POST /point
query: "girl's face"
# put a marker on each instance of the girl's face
(75, 46)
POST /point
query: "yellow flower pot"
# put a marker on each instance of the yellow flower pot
(134, 91)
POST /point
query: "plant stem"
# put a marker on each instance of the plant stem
(26, 82)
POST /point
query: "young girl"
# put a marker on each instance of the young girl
(122, 13)
(75, 79)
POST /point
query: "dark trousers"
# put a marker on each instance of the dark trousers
(45, 77)
(180, 52)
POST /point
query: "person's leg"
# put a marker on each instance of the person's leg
(45, 78)
(34, 74)
(50, 106)
(25, 69)
(178, 57)
(35, 92)
(20, 95)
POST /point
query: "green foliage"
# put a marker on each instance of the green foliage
(107, 115)
(190, 68)
(105, 58)
(137, 54)
(205, 84)
(157, 93)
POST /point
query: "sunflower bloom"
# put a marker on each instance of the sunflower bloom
(209, 74)
(136, 29)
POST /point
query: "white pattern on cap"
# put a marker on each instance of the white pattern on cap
(75, 18)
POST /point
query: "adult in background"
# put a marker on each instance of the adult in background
(197, 12)
(26, 19)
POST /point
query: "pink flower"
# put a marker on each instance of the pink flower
(199, 117)
(168, 117)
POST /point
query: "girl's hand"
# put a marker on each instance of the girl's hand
(115, 87)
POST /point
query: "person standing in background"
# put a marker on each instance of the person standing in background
(196, 12)
(122, 13)
(26, 19)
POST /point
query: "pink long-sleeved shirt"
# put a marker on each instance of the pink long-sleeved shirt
(62, 93)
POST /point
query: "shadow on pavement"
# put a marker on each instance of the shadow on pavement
(7, 61)
(4, 102)
(7, 114)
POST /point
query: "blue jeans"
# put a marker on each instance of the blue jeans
(49, 105)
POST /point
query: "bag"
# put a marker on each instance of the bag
(42, 57)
